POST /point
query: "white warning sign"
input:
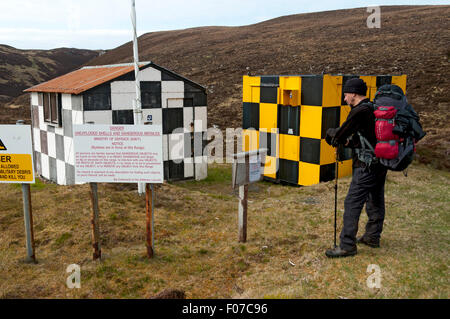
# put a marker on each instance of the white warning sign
(118, 153)
(2, 146)
(16, 154)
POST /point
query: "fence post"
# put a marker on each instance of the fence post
(149, 219)
(95, 218)
(95, 222)
(28, 217)
(242, 218)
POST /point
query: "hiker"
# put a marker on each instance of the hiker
(368, 179)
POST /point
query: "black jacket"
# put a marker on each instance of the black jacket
(360, 119)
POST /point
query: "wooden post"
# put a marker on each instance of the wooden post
(242, 218)
(243, 174)
(95, 222)
(28, 218)
(149, 220)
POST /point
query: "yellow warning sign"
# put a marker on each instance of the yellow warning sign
(16, 168)
(2, 146)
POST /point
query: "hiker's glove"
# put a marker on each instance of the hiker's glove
(330, 138)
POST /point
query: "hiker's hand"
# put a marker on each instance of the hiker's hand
(334, 142)
(329, 138)
(331, 141)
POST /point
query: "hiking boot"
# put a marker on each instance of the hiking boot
(368, 242)
(339, 252)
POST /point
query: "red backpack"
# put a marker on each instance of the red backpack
(387, 141)
(397, 129)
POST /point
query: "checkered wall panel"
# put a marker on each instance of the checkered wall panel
(177, 105)
(290, 115)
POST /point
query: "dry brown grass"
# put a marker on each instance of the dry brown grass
(196, 241)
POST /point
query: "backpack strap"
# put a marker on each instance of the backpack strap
(364, 142)
(366, 155)
(371, 105)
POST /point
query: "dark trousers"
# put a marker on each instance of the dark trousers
(367, 187)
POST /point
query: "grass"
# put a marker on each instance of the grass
(62, 239)
(38, 185)
(196, 246)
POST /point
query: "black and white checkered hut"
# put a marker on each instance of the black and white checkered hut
(104, 95)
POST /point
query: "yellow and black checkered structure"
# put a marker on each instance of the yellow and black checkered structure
(289, 115)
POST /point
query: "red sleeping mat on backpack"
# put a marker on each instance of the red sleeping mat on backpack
(387, 142)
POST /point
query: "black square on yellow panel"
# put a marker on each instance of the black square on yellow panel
(270, 80)
(345, 153)
(289, 119)
(383, 79)
(310, 150)
(250, 116)
(312, 89)
(330, 118)
(327, 172)
(269, 94)
(288, 171)
(345, 78)
(268, 140)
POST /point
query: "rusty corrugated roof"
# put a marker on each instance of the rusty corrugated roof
(84, 79)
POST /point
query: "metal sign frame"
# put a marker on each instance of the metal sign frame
(245, 164)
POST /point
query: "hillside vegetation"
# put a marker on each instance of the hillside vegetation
(21, 69)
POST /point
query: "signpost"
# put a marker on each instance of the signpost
(16, 166)
(137, 104)
(119, 154)
(247, 168)
(95, 222)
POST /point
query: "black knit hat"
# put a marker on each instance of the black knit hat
(355, 85)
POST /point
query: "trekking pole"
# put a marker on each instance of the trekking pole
(335, 196)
